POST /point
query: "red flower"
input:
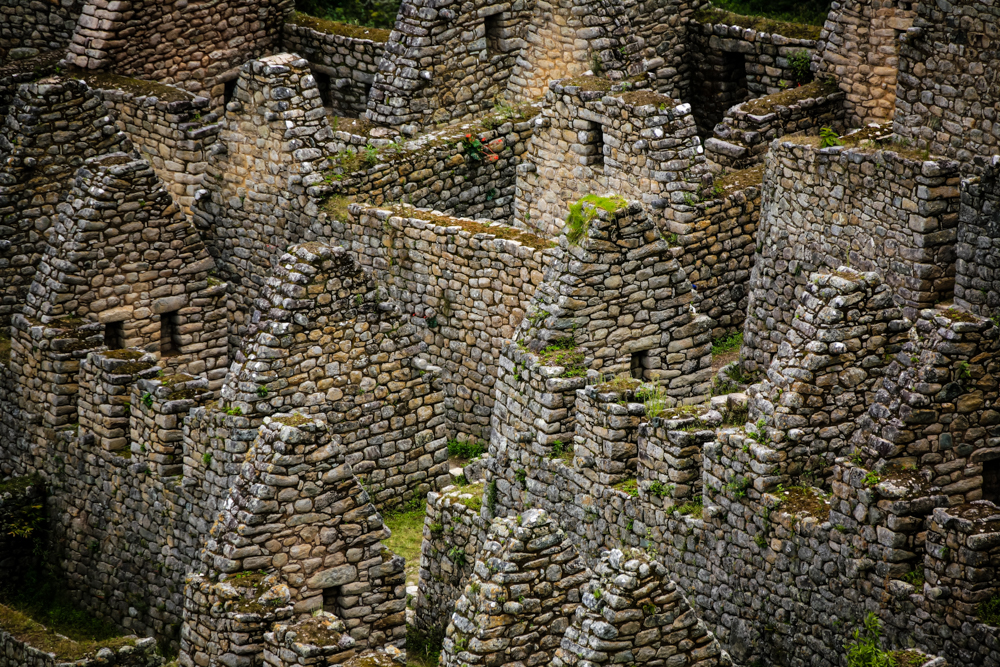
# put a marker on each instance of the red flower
(468, 136)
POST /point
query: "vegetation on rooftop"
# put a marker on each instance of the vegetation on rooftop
(373, 13)
(789, 18)
(339, 28)
(580, 216)
(769, 103)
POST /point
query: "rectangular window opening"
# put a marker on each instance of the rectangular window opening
(637, 369)
(227, 95)
(991, 481)
(592, 139)
(169, 334)
(114, 335)
(323, 83)
(330, 596)
(494, 32)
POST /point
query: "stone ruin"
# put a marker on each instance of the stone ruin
(257, 270)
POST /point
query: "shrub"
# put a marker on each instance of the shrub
(829, 138)
(469, 449)
(989, 611)
(866, 648)
(799, 62)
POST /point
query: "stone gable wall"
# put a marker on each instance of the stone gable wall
(836, 206)
(190, 45)
(977, 279)
(468, 290)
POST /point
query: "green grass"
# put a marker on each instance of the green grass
(811, 12)
(694, 507)
(728, 343)
(42, 600)
(407, 535)
(423, 647)
(629, 486)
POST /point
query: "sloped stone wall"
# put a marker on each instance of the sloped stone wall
(820, 209)
(860, 49)
(253, 209)
(328, 340)
(521, 596)
(190, 45)
(313, 524)
(16, 653)
(631, 611)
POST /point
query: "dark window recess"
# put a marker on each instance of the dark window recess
(330, 596)
(991, 481)
(494, 30)
(323, 83)
(169, 334)
(637, 368)
(593, 141)
(114, 335)
(227, 95)
(721, 83)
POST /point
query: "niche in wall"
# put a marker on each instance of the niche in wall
(494, 31)
(170, 334)
(991, 481)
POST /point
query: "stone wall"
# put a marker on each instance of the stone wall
(172, 134)
(253, 208)
(519, 608)
(434, 170)
(829, 366)
(15, 653)
(467, 284)
(30, 25)
(297, 510)
(328, 340)
(836, 206)
(945, 99)
(25, 70)
(718, 237)
(594, 138)
(744, 135)
(860, 49)
(733, 64)
(349, 64)
(977, 279)
(35, 178)
(191, 45)
(454, 534)
(122, 254)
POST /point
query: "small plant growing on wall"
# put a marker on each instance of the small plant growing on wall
(799, 62)
(865, 649)
(828, 138)
(477, 149)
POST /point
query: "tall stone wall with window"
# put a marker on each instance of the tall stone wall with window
(188, 45)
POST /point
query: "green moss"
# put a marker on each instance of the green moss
(295, 420)
(407, 536)
(139, 87)
(579, 218)
(773, 26)
(130, 355)
(989, 611)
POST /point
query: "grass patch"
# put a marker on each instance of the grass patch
(473, 227)
(4, 348)
(475, 500)
(563, 352)
(336, 206)
(728, 343)
(694, 507)
(801, 20)
(423, 647)
(407, 528)
(579, 218)
(140, 87)
(468, 449)
(803, 500)
(629, 486)
(909, 658)
(561, 450)
(989, 611)
(915, 577)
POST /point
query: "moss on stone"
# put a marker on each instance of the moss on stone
(46, 639)
(130, 355)
(769, 103)
(579, 218)
(140, 87)
(343, 29)
(760, 24)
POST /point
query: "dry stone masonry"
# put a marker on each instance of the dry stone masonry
(261, 271)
